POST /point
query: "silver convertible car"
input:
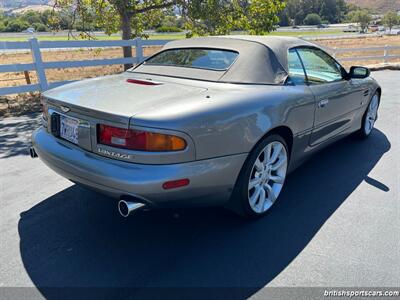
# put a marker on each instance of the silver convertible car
(205, 121)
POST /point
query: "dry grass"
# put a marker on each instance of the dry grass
(13, 103)
(363, 42)
(18, 78)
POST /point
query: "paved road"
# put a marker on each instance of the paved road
(337, 224)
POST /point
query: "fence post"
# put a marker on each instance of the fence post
(386, 53)
(139, 50)
(37, 60)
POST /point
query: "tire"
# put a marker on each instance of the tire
(260, 177)
(369, 118)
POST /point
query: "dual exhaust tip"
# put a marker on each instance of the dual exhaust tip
(32, 152)
(125, 207)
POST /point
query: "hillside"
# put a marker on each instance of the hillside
(22, 3)
(381, 6)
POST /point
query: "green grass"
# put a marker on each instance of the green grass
(305, 33)
(64, 38)
(174, 36)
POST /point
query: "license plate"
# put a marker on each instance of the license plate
(69, 129)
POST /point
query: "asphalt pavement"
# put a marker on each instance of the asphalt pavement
(337, 224)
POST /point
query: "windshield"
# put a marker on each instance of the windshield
(211, 59)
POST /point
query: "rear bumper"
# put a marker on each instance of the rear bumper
(211, 180)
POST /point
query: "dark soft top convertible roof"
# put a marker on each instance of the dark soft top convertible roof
(261, 60)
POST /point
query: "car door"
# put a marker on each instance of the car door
(336, 98)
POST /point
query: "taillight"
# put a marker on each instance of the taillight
(138, 140)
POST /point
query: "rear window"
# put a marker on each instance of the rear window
(210, 59)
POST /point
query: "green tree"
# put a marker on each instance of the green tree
(312, 19)
(333, 11)
(284, 19)
(16, 26)
(259, 16)
(391, 19)
(200, 16)
(39, 27)
(31, 17)
(362, 17)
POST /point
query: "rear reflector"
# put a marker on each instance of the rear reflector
(138, 140)
(143, 82)
(175, 184)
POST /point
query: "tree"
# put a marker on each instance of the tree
(16, 26)
(312, 19)
(391, 19)
(200, 16)
(362, 17)
(331, 10)
(284, 19)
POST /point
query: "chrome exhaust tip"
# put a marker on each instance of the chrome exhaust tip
(125, 208)
(32, 152)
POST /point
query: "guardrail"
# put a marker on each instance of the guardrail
(40, 66)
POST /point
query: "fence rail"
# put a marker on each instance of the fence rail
(38, 65)
(386, 56)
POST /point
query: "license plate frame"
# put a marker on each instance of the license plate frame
(69, 129)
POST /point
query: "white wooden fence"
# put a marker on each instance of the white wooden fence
(40, 66)
(385, 50)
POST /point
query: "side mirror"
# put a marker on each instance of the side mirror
(359, 72)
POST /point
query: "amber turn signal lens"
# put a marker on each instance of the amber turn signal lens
(138, 140)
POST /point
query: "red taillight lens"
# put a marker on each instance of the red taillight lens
(138, 140)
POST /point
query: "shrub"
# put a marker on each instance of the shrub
(40, 27)
(312, 19)
(17, 26)
(168, 29)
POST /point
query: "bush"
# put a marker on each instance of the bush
(312, 19)
(2, 27)
(40, 27)
(16, 26)
(168, 29)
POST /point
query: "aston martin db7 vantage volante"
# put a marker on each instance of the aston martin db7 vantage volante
(205, 121)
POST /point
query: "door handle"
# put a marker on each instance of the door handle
(323, 103)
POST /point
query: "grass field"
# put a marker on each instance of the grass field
(174, 36)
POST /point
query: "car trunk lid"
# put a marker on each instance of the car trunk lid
(117, 97)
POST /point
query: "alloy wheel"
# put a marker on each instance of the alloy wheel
(267, 177)
(371, 116)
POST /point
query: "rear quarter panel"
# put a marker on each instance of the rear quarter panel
(231, 119)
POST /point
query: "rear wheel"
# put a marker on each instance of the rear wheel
(262, 177)
(370, 116)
